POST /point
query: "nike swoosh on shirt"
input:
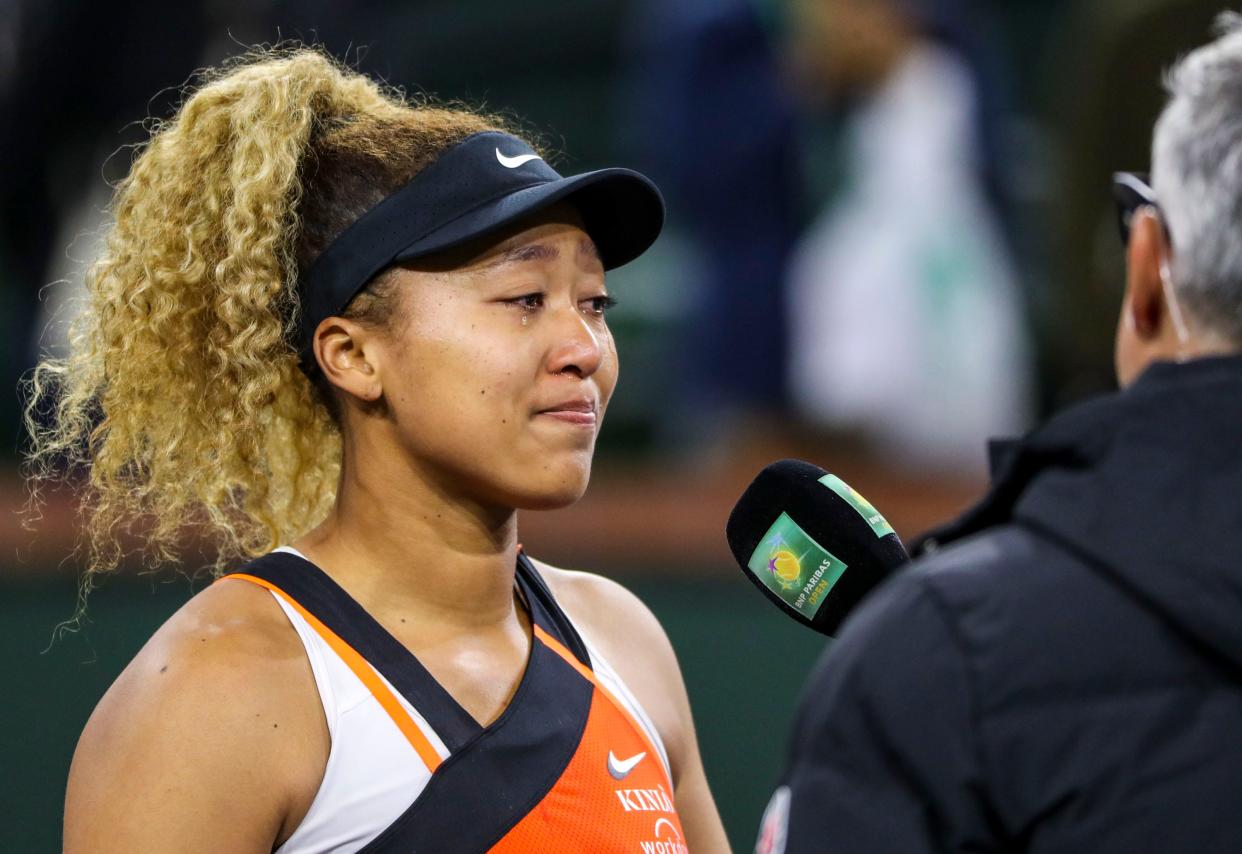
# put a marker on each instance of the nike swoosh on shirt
(621, 768)
(515, 162)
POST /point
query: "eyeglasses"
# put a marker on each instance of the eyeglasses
(1131, 191)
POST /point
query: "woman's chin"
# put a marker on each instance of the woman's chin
(550, 500)
(552, 492)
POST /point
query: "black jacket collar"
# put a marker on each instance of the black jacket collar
(1145, 483)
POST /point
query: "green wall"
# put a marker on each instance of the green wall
(743, 663)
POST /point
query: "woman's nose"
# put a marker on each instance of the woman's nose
(577, 346)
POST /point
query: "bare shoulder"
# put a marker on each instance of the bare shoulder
(628, 635)
(202, 740)
(602, 603)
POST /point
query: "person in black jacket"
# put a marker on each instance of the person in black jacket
(1062, 670)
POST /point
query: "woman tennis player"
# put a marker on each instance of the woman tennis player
(354, 335)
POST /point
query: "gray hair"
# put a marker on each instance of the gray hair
(1197, 176)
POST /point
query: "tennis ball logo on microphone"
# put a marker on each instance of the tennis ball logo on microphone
(794, 567)
(785, 565)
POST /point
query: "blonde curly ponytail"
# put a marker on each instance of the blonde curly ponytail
(181, 395)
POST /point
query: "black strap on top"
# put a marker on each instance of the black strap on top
(481, 792)
(545, 612)
(311, 588)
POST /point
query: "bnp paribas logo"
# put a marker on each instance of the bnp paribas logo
(792, 565)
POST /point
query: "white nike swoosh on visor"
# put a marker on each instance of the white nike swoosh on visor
(621, 768)
(515, 162)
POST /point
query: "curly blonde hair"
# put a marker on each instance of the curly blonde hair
(181, 395)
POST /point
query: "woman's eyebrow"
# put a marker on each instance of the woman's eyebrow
(542, 252)
(528, 252)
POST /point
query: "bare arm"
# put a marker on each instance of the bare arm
(212, 739)
(695, 804)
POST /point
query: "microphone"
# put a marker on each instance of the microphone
(813, 545)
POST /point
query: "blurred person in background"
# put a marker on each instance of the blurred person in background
(105, 64)
(1063, 670)
(102, 61)
(906, 320)
(714, 120)
(351, 334)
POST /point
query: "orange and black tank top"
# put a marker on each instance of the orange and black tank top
(573, 763)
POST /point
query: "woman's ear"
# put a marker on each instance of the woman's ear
(348, 355)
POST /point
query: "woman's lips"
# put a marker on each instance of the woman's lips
(581, 413)
(572, 416)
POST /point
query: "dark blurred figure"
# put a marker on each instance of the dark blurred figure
(906, 308)
(77, 83)
(1103, 93)
(80, 73)
(717, 132)
(1062, 671)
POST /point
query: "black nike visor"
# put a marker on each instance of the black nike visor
(478, 187)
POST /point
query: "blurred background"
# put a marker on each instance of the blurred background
(889, 238)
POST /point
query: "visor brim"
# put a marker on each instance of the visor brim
(621, 210)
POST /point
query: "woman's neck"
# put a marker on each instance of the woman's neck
(401, 545)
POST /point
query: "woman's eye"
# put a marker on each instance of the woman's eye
(599, 305)
(527, 301)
